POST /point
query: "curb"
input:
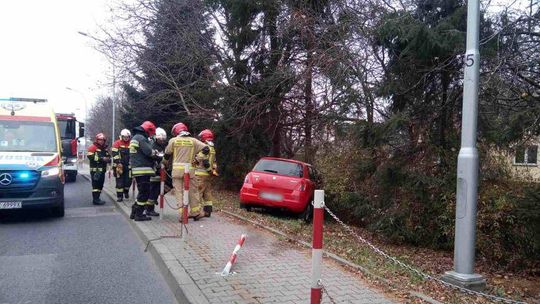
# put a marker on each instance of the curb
(181, 284)
(333, 256)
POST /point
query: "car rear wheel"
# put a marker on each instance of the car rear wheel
(307, 214)
(245, 206)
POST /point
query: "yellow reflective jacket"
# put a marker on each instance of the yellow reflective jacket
(182, 150)
(200, 169)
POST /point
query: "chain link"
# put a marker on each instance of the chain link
(325, 291)
(416, 271)
(168, 204)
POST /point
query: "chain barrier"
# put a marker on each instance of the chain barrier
(160, 238)
(165, 199)
(168, 204)
(325, 291)
(416, 271)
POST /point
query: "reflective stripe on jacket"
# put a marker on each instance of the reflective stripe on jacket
(183, 149)
(140, 150)
(95, 156)
(200, 170)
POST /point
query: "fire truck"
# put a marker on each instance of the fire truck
(71, 131)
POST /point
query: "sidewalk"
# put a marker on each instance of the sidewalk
(268, 270)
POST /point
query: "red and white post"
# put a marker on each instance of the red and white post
(316, 251)
(185, 211)
(162, 177)
(227, 270)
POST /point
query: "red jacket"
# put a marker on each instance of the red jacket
(120, 152)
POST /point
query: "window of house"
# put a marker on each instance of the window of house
(526, 155)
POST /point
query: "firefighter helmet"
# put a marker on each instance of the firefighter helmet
(149, 128)
(206, 135)
(179, 127)
(161, 134)
(100, 136)
(125, 133)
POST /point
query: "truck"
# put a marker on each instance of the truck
(31, 174)
(71, 131)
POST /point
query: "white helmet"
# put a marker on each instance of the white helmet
(125, 132)
(161, 134)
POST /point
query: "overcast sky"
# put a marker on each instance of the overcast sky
(42, 53)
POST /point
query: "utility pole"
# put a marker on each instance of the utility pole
(113, 104)
(467, 168)
(113, 137)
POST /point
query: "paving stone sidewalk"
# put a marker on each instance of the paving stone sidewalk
(268, 270)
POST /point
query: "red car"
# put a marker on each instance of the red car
(280, 183)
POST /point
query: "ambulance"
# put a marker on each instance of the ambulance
(31, 174)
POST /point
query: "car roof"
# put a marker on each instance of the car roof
(287, 160)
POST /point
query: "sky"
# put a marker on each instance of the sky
(42, 52)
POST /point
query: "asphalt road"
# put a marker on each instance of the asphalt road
(92, 255)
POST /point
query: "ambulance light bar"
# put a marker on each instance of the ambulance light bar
(24, 99)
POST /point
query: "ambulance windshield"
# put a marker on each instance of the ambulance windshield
(27, 136)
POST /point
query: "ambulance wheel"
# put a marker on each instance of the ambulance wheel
(58, 211)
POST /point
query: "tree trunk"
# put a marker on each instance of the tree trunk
(308, 124)
(276, 134)
(444, 110)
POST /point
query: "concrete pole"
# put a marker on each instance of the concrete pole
(467, 168)
(113, 137)
(113, 104)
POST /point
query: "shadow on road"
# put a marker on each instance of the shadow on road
(25, 216)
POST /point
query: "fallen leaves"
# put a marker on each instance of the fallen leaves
(395, 280)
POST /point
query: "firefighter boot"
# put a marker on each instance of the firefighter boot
(207, 210)
(96, 200)
(119, 197)
(132, 215)
(126, 194)
(139, 214)
(150, 210)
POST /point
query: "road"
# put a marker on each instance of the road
(92, 255)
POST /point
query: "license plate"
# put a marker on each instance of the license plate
(10, 205)
(271, 196)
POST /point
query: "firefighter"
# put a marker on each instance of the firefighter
(181, 150)
(159, 144)
(206, 168)
(141, 159)
(99, 158)
(122, 172)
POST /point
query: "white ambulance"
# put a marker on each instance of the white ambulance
(31, 174)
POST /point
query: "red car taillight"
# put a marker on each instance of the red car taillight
(302, 186)
(247, 180)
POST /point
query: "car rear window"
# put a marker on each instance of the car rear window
(279, 167)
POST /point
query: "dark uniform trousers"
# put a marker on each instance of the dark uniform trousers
(143, 186)
(123, 182)
(98, 179)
